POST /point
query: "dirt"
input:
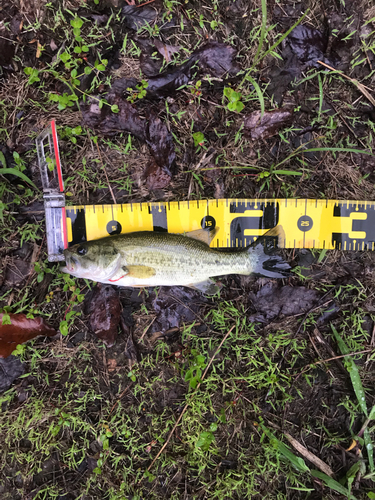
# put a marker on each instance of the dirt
(85, 413)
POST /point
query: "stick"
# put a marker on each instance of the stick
(191, 397)
(106, 176)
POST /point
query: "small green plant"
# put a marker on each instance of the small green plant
(205, 438)
(139, 92)
(199, 139)
(234, 98)
(197, 365)
(33, 75)
(71, 134)
(77, 24)
(66, 100)
(76, 299)
(195, 91)
(41, 270)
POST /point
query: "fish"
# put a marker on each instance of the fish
(149, 258)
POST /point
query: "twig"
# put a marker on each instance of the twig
(120, 397)
(191, 397)
(307, 367)
(362, 88)
(106, 176)
(309, 456)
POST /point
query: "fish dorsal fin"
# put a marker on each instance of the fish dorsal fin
(277, 234)
(203, 235)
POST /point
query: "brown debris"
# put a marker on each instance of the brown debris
(21, 330)
(257, 126)
(104, 310)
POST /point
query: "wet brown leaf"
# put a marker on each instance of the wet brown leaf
(166, 50)
(21, 330)
(104, 308)
(10, 369)
(153, 131)
(160, 141)
(303, 47)
(153, 53)
(131, 351)
(156, 177)
(217, 59)
(135, 16)
(308, 44)
(261, 127)
(272, 301)
(109, 123)
(175, 306)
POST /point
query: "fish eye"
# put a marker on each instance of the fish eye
(81, 250)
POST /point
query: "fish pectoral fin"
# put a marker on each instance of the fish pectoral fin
(119, 274)
(141, 272)
(203, 235)
(208, 287)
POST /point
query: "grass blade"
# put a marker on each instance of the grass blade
(353, 372)
(286, 172)
(263, 30)
(259, 93)
(369, 448)
(2, 159)
(300, 150)
(13, 171)
(279, 446)
(332, 483)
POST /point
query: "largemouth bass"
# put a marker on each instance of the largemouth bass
(149, 258)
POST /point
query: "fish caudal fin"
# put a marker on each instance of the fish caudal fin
(269, 264)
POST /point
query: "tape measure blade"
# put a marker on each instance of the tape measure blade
(307, 223)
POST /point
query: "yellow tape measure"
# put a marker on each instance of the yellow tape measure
(329, 224)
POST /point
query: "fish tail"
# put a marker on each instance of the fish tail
(267, 263)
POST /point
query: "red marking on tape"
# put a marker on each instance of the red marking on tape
(57, 156)
(65, 234)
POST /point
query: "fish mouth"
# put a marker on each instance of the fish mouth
(69, 267)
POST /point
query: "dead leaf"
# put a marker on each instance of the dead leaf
(131, 352)
(38, 50)
(271, 301)
(135, 17)
(6, 52)
(21, 330)
(111, 365)
(308, 44)
(160, 141)
(10, 369)
(104, 308)
(261, 127)
(217, 59)
(166, 50)
(156, 177)
(109, 123)
(175, 306)
(153, 131)
(303, 47)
